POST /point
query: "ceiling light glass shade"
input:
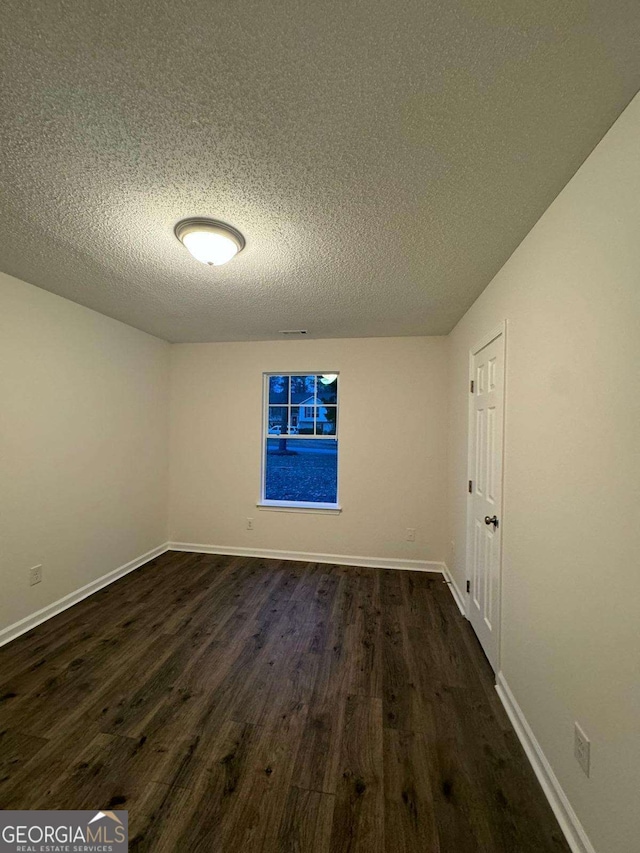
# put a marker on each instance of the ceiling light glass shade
(328, 378)
(210, 242)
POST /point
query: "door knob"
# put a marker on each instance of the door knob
(489, 520)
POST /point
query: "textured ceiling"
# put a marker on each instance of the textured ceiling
(382, 159)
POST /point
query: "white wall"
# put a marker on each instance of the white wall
(83, 445)
(571, 527)
(392, 446)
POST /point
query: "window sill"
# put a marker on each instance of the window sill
(293, 506)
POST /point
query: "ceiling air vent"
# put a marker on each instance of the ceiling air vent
(293, 332)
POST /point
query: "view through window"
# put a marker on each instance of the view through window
(301, 438)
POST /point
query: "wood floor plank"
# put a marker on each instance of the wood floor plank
(156, 823)
(306, 822)
(16, 750)
(64, 697)
(318, 757)
(409, 810)
(255, 819)
(396, 696)
(232, 703)
(29, 785)
(358, 817)
(216, 788)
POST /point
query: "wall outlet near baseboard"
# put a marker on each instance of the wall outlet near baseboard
(249, 524)
(581, 748)
(35, 575)
(411, 534)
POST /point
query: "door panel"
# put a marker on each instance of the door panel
(485, 501)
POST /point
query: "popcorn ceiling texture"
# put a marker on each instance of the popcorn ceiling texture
(382, 159)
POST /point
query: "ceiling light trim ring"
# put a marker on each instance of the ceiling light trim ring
(208, 240)
(196, 223)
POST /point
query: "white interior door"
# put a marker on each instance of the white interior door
(484, 530)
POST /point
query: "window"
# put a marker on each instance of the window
(300, 441)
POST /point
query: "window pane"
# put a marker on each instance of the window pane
(293, 427)
(304, 417)
(278, 420)
(328, 388)
(303, 389)
(326, 420)
(278, 389)
(301, 470)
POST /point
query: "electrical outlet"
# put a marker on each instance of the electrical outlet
(582, 748)
(249, 524)
(35, 575)
(411, 534)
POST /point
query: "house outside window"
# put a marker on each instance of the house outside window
(300, 441)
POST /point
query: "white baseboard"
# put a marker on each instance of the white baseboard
(567, 818)
(21, 627)
(303, 556)
(455, 591)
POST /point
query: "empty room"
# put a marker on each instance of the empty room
(320, 426)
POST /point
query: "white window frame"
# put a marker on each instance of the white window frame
(296, 506)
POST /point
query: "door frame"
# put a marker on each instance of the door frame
(496, 332)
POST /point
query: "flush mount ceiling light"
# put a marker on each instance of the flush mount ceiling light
(210, 242)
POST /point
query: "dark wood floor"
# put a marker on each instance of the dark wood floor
(235, 704)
